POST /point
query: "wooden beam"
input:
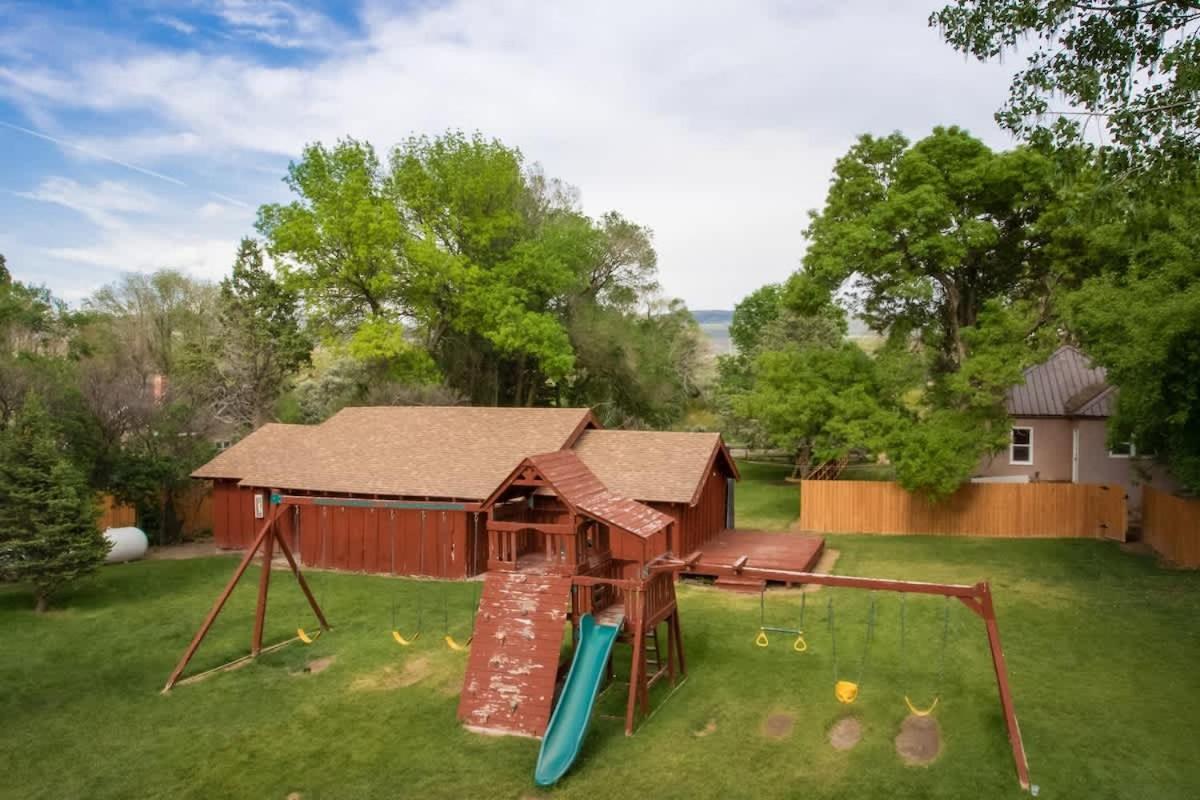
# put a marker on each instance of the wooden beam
(221, 599)
(365, 502)
(740, 563)
(1006, 701)
(264, 584)
(558, 528)
(851, 582)
(312, 601)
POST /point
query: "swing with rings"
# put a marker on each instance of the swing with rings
(847, 691)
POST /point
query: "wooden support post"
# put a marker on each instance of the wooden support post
(636, 674)
(1006, 701)
(312, 601)
(264, 584)
(220, 603)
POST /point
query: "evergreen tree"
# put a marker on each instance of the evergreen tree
(48, 532)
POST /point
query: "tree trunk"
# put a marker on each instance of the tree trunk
(41, 602)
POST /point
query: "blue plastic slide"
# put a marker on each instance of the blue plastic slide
(568, 723)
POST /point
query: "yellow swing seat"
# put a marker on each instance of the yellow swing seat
(400, 640)
(919, 712)
(305, 637)
(454, 645)
(845, 691)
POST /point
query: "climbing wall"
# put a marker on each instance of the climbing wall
(509, 686)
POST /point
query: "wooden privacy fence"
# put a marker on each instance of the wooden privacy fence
(1171, 525)
(194, 506)
(977, 509)
(116, 515)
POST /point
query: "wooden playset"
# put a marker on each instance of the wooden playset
(563, 552)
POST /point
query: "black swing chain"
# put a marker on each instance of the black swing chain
(862, 664)
(941, 655)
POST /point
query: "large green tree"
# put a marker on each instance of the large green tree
(48, 515)
(1129, 68)
(457, 262)
(924, 235)
(262, 342)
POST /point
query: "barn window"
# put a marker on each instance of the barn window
(1020, 450)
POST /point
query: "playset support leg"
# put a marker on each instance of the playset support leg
(264, 586)
(312, 601)
(268, 524)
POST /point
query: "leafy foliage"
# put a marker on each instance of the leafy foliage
(1134, 64)
(1141, 320)
(48, 533)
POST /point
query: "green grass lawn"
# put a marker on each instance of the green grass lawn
(1102, 649)
(764, 500)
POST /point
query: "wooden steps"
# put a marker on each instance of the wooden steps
(509, 685)
(748, 585)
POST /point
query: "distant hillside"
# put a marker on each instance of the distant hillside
(715, 324)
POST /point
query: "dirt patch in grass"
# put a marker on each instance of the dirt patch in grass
(414, 671)
(319, 665)
(919, 740)
(779, 725)
(824, 564)
(845, 733)
(708, 730)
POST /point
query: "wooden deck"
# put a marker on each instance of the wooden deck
(724, 557)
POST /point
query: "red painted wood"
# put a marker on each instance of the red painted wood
(356, 523)
(513, 663)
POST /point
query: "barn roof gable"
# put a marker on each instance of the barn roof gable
(655, 466)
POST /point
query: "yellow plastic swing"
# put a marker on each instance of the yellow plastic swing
(399, 638)
(304, 636)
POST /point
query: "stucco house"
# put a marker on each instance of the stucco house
(1060, 431)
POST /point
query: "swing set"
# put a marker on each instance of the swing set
(976, 597)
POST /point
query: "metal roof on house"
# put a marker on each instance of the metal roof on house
(579, 487)
(1064, 385)
(654, 466)
(411, 451)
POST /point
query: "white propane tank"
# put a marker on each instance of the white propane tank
(128, 544)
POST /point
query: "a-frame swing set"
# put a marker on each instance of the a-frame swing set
(976, 597)
(266, 540)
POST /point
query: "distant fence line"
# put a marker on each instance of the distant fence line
(1171, 525)
(194, 506)
(1016, 510)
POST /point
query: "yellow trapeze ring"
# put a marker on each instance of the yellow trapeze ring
(921, 712)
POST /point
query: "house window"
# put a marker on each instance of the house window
(1020, 450)
(1122, 450)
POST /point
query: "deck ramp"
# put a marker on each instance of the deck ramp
(511, 672)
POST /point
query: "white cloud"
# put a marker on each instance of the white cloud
(717, 127)
(105, 204)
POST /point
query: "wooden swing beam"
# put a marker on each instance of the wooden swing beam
(268, 536)
(977, 597)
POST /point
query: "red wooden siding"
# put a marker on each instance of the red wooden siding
(698, 524)
(390, 541)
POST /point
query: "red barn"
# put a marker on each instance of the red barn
(438, 466)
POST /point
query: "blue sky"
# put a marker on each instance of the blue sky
(142, 135)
